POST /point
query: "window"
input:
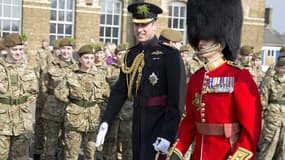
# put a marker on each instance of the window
(61, 19)
(177, 17)
(10, 16)
(110, 21)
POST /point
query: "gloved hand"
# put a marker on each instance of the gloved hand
(101, 134)
(161, 145)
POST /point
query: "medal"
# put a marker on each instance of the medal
(153, 79)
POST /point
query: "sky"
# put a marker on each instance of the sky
(278, 14)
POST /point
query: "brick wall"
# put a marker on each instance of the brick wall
(35, 22)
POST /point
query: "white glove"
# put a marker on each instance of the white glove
(161, 145)
(101, 134)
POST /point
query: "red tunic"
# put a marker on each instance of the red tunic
(239, 102)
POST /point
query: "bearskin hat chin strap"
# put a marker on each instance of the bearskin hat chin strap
(212, 48)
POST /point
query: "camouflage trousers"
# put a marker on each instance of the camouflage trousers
(53, 139)
(39, 128)
(73, 140)
(17, 147)
(118, 139)
(272, 142)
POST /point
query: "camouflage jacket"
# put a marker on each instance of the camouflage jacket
(257, 75)
(56, 70)
(126, 112)
(273, 99)
(18, 90)
(84, 93)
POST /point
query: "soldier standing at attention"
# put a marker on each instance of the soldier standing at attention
(82, 94)
(271, 144)
(18, 89)
(53, 111)
(120, 132)
(258, 74)
(245, 57)
(223, 109)
(42, 57)
(153, 76)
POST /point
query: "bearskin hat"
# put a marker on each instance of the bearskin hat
(218, 20)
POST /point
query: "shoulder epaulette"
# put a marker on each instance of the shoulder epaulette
(234, 64)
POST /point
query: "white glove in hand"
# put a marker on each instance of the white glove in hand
(101, 134)
(161, 145)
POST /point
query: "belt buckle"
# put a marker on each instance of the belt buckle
(85, 103)
(14, 101)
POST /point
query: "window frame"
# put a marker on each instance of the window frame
(172, 17)
(56, 23)
(11, 18)
(104, 25)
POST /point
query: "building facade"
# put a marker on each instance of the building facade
(105, 20)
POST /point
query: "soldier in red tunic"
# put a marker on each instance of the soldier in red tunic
(223, 109)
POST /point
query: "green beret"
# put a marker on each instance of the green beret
(185, 48)
(257, 55)
(281, 61)
(67, 42)
(90, 48)
(122, 47)
(14, 39)
(171, 35)
(56, 44)
(246, 50)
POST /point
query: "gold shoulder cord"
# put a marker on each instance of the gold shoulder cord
(131, 71)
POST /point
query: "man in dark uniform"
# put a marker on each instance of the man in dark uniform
(153, 76)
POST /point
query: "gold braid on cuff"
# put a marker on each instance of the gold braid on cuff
(241, 154)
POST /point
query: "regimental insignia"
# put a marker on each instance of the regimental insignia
(157, 53)
(220, 84)
(197, 99)
(153, 79)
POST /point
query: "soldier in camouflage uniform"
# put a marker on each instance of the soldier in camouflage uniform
(245, 58)
(56, 48)
(83, 94)
(53, 110)
(120, 132)
(272, 142)
(191, 60)
(258, 74)
(42, 59)
(186, 56)
(18, 89)
(102, 68)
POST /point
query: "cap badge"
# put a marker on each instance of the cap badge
(143, 10)
(153, 79)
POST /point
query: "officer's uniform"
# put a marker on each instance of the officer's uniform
(83, 95)
(223, 109)
(153, 76)
(18, 89)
